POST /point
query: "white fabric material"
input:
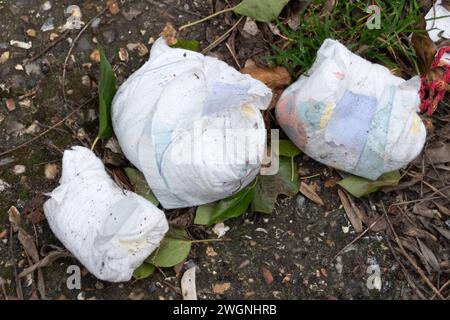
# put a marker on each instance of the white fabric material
(109, 230)
(438, 22)
(353, 115)
(438, 26)
(174, 118)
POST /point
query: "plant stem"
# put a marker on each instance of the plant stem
(95, 142)
(292, 169)
(206, 18)
(209, 240)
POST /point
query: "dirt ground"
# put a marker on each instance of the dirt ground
(296, 243)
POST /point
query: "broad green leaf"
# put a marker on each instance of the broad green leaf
(269, 188)
(360, 187)
(192, 45)
(204, 212)
(232, 207)
(141, 186)
(145, 270)
(106, 92)
(174, 248)
(261, 10)
(288, 149)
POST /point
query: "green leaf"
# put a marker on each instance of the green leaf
(145, 270)
(204, 212)
(106, 92)
(192, 45)
(174, 249)
(140, 185)
(231, 207)
(288, 149)
(360, 187)
(261, 10)
(269, 188)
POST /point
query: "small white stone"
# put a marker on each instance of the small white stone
(46, 6)
(51, 171)
(19, 169)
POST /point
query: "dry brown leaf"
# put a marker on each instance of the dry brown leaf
(33, 210)
(429, 256)
(425, 212)
(351, 214)
(169, 33)
(425, 49)
(439, 154)
(267, 275)
(274, 78)
(220, 288)
(311, 194)
(45, 262)
(442, 209)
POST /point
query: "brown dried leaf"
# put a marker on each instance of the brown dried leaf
(444, 232)
(274, 78)
(429, 256)
(425, 49)
(267, 275)
(220, 288)
(311, 194)
(349, 210)
(438, 155)
(33, 210)
(169, 33)
(425, 212)
(45, 262)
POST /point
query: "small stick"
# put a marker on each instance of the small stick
(411, 261)
(221, 38)
(356, 239)
(233, 55)
(50, 46)
(13, 261)
(408, 279)
(71, 49)
(205, 19)
(48, 130)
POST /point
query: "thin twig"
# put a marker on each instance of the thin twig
(49, 129)
(13, 261)
(356, 239)
(216, 42)
(408, 257)
(50, 46)
(233, 55)
(408, 279)
(72, 46)
(191, 24)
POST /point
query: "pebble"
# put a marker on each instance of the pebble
(4, 57)
(46, 6)
(141, 49)
(10, 104)
(26, 103)
(84, 44)
(123, 54)
(31, 33)
(53, 36)
(14, 127)
(19, 169)
(109, 35)
(95, 56)
(86, 81)
(51, 171)
(48, 25)
(33, 128)
(300, 201)
(21, 44)
(250, 28)
(99, 285)
(81, 296)
(33, 69)
(3, 185)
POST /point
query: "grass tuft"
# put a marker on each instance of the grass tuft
(347, 22)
